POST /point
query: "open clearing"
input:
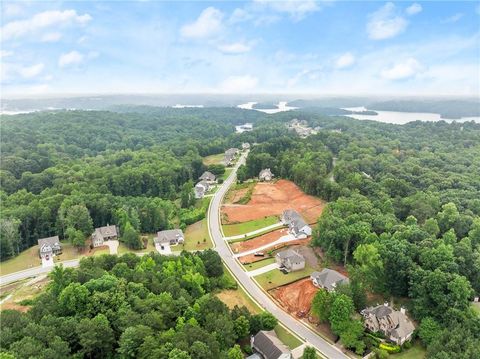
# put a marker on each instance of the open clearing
(296, 297)
(271, 199)
(276, 278)
(20, 291)
(213, 159)
(197, 237)
(250, 226)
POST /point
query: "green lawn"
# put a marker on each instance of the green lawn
(276, 278)
(213, 159)
(122, 248)
(476, 307)
(259, 264)
(287, 338)
(415, 352)
(245, 227)
(29, 258)
(197, 237)
(227, 173)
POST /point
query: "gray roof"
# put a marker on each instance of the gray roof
(291, 255)
(403, 326)
(107, 231)
(294, 219)
(329, 278)
(208, 176)
(379, 311)
(265, 172)
(268, 344)
(52, 242)
(168, 235)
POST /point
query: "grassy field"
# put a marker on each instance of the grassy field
(245, 227)
(197, 237)
(213, 159)
(276, 278)
(287, 338)
(227, 173)
(415, 352)
(122, 248)
(29, 258)
(259, 264)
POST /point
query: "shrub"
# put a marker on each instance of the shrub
(390, 348)
(247, 349)
(407, 345)
(380, 353)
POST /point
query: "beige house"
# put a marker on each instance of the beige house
(103, 234)
(48, 247)
(170, 236)
(201, 188)
(290, 260)
(394, 324)
(265, 175)
(208, 177)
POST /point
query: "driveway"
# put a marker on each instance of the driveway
(112, 245)
(163, 249)
(262, 270)
(46, 263)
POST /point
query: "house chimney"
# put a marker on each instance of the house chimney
(402, 310)
(252, 339)
(385, 304)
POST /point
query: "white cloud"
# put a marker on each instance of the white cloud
(453, 18)
(234, 48)
(42, 20)
(344, 61)
(385, 23)
(70, 58)
(414, 9)
(236, 84)
(404, 70)
(31, 71)
(5, 53)
(207, 24)
(295, 8)
(51, 37)
(11, 9)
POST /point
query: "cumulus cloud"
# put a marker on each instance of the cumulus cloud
(207, 24)
(414, 9)
(344, 61)
(41, 21)
(51, 37)
(31, 71)
(296, 9)
(453, 18)
(403, 70)
(236, 84)
(71, 58)
(385, 23)
(234, 48)
(5, 53)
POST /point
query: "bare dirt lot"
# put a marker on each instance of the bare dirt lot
(272, 199)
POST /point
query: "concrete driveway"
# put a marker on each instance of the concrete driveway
(262, 270)
(46, 263)
(112, 245)
(163, 249)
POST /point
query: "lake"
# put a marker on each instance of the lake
(401, 118)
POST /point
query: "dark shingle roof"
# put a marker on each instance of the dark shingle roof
(268, 344)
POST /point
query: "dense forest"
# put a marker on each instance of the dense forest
(404, 214)
(132, 307)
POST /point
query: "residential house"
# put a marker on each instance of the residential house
(328, 279)
(245, 146)
(230, 155)
(169, 236)
(267, 344)
(296, 224)
(208, 177)
(49, 247)
(201, 188)
(265, 175)
(290, 260)
(394, 324)
(244, 128)
(104, 234)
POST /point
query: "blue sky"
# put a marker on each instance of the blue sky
(327, 47)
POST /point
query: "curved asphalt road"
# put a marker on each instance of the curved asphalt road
(248, 284)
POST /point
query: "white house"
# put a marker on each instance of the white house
(296, 224)
(265, 175)
(201, 188)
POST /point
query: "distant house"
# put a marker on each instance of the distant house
(49, 247)
(245, 146)
(230, 155)
(290, 260)
(102, 234)
(201, 188)
(394, 324)
(244, 128)
(328, 279)
(269, 346)
(265, 175)
(208, 177)
(296, 224)
(170, 236)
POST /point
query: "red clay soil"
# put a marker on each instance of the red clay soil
(269, 199)
(296, 297)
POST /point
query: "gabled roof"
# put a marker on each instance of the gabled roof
(207, 176)
(329, 278)
(107, 231)
(265, 172)
(294, 219)
(291, 255)
(168, 235)
(400, 325)
(268, 344)
(49, 241)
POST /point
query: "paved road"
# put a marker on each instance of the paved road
(263, 299)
